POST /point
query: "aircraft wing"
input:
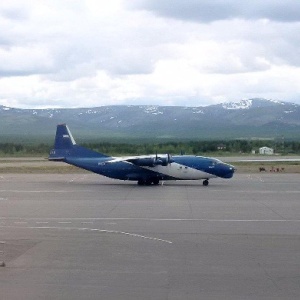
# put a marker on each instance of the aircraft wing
(143, 160)
(127, 158)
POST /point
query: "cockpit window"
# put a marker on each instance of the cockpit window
(216, 161)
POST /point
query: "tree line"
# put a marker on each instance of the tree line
(192, 147)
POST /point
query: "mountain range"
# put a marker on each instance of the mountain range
(250, 118)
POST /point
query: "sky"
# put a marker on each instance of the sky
(88, 53)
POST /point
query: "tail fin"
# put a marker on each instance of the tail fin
(65, 146)
(63, 138)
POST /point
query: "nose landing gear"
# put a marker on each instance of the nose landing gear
(205, 182)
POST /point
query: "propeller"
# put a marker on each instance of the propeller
(163, 161)
(167, 160)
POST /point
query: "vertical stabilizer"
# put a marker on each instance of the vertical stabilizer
(65, 146)
(63, 138)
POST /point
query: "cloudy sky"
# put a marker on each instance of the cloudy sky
(75, 53)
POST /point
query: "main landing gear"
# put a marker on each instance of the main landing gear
(205, 182)
(149, 181)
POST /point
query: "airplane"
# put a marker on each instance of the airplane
(145, 169)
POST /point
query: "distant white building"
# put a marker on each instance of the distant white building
(266, 151)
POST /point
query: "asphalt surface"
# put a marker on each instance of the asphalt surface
(82, 236)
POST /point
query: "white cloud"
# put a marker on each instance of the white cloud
(209, 11)
(91, 53)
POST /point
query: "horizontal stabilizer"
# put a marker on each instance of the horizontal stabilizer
(52, 157)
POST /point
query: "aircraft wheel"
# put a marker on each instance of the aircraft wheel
(141, 182)
(205, 182)
(155, 181)
(148, 182)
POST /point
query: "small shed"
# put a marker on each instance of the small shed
(266, 151)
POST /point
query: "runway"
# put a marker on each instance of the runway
(83, 236)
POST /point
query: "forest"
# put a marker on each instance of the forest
(220, 148)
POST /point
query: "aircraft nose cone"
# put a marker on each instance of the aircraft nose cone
(231, 170)
(227, 171)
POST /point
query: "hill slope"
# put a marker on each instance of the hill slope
(246, 118)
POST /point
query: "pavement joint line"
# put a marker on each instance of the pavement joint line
(84, 191)
(94, 230)
(38, 191)
(146, 219)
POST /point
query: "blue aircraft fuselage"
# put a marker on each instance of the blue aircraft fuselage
(145, 169)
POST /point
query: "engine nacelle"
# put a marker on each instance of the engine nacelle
(152, 161)
(162, 161)
(145, 162)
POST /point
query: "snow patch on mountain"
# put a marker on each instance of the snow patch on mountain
(4, 108)
(196, 110)
(154, 110)
(243, 104)
(275, 101)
